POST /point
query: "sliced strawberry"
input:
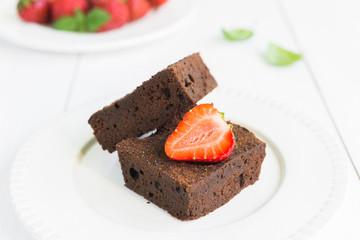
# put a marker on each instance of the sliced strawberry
(34, 10)
(157, 3)
(202, 136)
(138, 8)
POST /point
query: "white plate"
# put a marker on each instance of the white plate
(64, 187)
(158, 23)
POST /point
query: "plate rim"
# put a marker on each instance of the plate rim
(40, 230)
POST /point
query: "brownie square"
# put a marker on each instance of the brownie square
(189, 190)
(156, 103)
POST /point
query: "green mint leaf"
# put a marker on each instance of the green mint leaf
(80, 20)
(279, 56)
(237, 34)
(96, 18)
(66, 24)
(75, 23)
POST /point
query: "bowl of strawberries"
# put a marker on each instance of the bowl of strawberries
(90, 25)
(84, 15)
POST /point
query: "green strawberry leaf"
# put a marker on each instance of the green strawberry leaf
(96, 18)
(279, 56)
(66, 24)
(23, 4)
(237, 34)
(80, 20)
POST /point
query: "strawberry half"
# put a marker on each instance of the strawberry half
(202, 136)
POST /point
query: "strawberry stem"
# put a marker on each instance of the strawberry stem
(230, 125)
(222, 116)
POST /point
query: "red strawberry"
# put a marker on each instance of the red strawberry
(95, 2)
(62, 8)
(138, 8)
(118, 11)
(34, 10)
(157, 3)
(202, 136)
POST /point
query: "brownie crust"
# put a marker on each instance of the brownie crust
(189, 190)
(158, 102)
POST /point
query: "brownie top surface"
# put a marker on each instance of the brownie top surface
(151, 151)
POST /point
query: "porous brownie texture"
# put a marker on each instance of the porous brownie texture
(168, 95)
(189, 190)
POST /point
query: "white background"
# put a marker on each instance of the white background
(36, 87)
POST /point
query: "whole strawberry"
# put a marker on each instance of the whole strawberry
(157, 3)
(64, 8)
(118, 11)
(202, 136)
(138, 8)
(34, 10)
(94, 3)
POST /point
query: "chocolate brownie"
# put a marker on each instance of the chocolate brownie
(189, 190)
(166, 96)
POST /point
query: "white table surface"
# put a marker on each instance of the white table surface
(36, 87)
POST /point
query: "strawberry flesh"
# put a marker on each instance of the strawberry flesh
(202, 136)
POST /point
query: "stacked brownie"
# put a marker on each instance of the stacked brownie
(187, 190)
(166, 96)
